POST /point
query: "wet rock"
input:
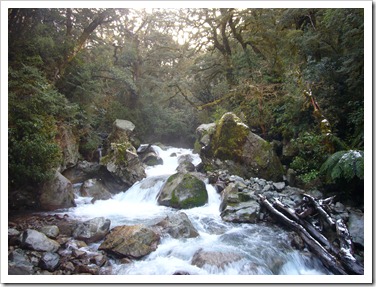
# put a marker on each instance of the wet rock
(95, 189)
(133, 241)
(214, 258)
(57, 193)
(35, 240)
(49, 261)
(178, 226)
(92, 230)
(51, 231)
(183, 190)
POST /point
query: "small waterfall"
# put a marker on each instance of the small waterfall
(262, 249)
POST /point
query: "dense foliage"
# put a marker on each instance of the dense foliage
(293, 75)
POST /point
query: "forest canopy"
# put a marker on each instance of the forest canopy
(295, 76)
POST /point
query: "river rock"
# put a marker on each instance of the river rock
(51, 231)
(130, 241)
(182, 191)
(178, 226)
(49, 261)
(244, 212)
(57, 193)
(214, 258)
(92, 230)
(19, 263)
(151, 159)
(35, 240)
(123, 162)
(95, 189)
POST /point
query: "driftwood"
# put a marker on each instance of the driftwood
(338, 261)
(312, 230)
(323, 214)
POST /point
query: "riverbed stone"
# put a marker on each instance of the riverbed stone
(133, 241)
(182, 191)
(38, 241)
(92, 230)
(49, 261)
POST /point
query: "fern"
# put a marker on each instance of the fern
(344, 165)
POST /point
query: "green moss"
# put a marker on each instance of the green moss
(118, 153)
(196, 147)
(197, 189)
(229, 138)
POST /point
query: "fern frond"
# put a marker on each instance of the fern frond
(344, 165)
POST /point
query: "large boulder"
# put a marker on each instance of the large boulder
(35, 240)
(182, 191)
(122, 161)
(247, 154)
(85, 170)
(95, 189)
(92, 230)
(132, 242)
(178, 225)
(57, 193)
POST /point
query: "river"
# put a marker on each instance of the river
(265, 249)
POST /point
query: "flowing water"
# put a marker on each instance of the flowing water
(264, 249)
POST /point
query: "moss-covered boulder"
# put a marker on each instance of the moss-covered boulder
(240, 151)
(183, 191)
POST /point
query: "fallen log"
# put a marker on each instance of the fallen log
(315, 247)
(321, 211)
(310, 228)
